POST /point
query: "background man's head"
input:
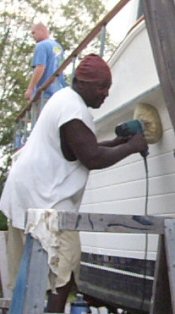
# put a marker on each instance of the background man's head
(40, 32)
(93, 79)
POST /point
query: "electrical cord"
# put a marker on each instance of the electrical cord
(147, 186)
(146, 235)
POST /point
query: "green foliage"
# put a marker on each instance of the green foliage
(3, 172)
(3, 222)
(81, 16)
(3, 175)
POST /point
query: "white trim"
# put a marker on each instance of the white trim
(114, 270)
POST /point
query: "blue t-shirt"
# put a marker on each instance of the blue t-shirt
(48, 52)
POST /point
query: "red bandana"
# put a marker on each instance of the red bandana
(93, 69)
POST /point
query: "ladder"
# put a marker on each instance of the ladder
(29, 293)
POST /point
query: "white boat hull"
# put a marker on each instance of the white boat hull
(121, 188)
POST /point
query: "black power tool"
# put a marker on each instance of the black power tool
(131, 127)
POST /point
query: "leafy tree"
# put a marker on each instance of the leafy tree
(3, 171)
(81, 16)
(76, 18)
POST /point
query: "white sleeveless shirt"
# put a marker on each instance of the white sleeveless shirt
(41, 177)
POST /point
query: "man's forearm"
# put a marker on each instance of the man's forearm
(114, 142)
(36, 77)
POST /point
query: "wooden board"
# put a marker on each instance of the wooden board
(160, 22)
(161, 301)
(170, 254)
(4, 303)
(110, 223)
(4, 265)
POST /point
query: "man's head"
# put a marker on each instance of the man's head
(40, 32)
(93, 80)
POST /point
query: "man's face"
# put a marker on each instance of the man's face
(94, 93)
(37, 34)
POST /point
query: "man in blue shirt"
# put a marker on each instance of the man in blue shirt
(48, 56)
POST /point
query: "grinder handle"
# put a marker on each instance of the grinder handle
(145, 153)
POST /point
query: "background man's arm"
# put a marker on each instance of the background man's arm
(36, 77)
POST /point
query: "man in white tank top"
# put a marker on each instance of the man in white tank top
(53, 168)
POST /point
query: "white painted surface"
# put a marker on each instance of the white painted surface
(120, 189)
(133, 71)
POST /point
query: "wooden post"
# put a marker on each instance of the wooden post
(170, 254)
(161, 300)
(160, 22)
(3, 265)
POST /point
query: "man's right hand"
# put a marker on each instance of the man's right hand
(28, 94)
(138, 143)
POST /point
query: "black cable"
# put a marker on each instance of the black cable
(147, 185)
(146, 235)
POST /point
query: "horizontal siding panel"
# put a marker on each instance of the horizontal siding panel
(119, 245)
(119, 241)
(157, 205)
(157, 186)
(116, 192)
(161, 165)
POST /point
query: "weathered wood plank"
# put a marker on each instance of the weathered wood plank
(170, 253)
(4, 303)
(31, 284)
(161, 301)
(4, 265)
(110, 223)
(160, 22)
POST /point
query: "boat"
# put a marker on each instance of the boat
(118, 269)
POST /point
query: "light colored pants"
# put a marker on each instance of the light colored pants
(15, 244)
(69, 253)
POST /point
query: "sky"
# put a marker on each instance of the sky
(121, 23)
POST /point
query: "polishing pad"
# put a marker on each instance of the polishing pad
(152, 123)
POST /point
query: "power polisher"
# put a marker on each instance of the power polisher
(131, 127)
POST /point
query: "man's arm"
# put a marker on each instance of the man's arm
(114, 142)
(36, 77)
(79, 142)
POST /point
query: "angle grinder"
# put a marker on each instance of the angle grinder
(131, 127)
